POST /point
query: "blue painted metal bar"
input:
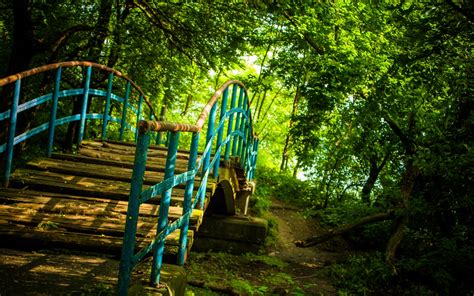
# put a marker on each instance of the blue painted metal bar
(139, 111)
(231, 121)
(237, 121)
(242, 126)
(207, 155)
(84, 105)
(220, 133)
(124, 111)
(132, 213)
(166, 184)
(5, 115)
(188, 194)
(35, 102)
(164, 208)
(54, 109)
(159, 237)
(11, 133)
(105, 121)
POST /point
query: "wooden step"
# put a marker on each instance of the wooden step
(79, 185)
(130, 149)
(17, 235)
(72, 220)
(68, 204)
(105, 153)
(101, 171)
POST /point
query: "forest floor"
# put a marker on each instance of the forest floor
(281, 269)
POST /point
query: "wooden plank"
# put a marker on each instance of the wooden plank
(118, 155)
(130, 149)
(99, 171)
(110, 226)
(85, 206)
(77, 185)
(15, 235)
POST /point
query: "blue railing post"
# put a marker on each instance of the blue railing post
(207, 156)
(54, 109)
(243, 122)
(85, 98)
(237, 122)
(128, 247)
(124, 111)
(139, 111)
(107, 106)
(188, 195)
(231, 123)
(164, 208)
(11, 133)
(220, 133)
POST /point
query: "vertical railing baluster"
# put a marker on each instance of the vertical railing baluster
(164, 208)
(85, 99)
(105, 121)
(139, 111)
(207, 156)
(54, 110)
(132, 213)
(220, 133)
(244, 140)
(11, 133)
(231, 122)
(188, 194)
(257, 142)
(237, 122)
(124, 111)
(243, 121)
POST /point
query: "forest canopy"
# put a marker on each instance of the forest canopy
(370, 104)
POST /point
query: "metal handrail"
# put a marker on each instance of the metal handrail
(240, 141)
(86, 91)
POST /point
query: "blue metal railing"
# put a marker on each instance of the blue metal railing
(239, 141)
(232, 135)
(86, 92)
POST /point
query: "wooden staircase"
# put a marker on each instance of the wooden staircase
(79, 201)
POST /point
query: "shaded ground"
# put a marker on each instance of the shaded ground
(282, 269)
(65, 272)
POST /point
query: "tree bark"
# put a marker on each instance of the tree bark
(373, 176)
(389, 215)
(95, 46)
(285, 155)
(407, 184)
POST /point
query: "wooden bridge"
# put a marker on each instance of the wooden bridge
(118, 194)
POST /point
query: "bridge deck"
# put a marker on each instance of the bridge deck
(79, 201)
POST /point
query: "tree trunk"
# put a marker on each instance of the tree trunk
(285, 155)
(407, 184)
(95, 46)
(373, 176)
(23, 50)
(117, 33)
(345, 228)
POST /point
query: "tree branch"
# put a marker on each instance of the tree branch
(406, 141)
(306, 36)
(389, 215)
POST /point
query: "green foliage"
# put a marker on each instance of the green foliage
(362, 275)
(242, 286)
(281, 186)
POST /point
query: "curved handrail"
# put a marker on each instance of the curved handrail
(54, 66)
(86, 91)
(182, 127)
(244, 148)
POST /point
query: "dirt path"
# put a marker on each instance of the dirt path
(306, 265)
